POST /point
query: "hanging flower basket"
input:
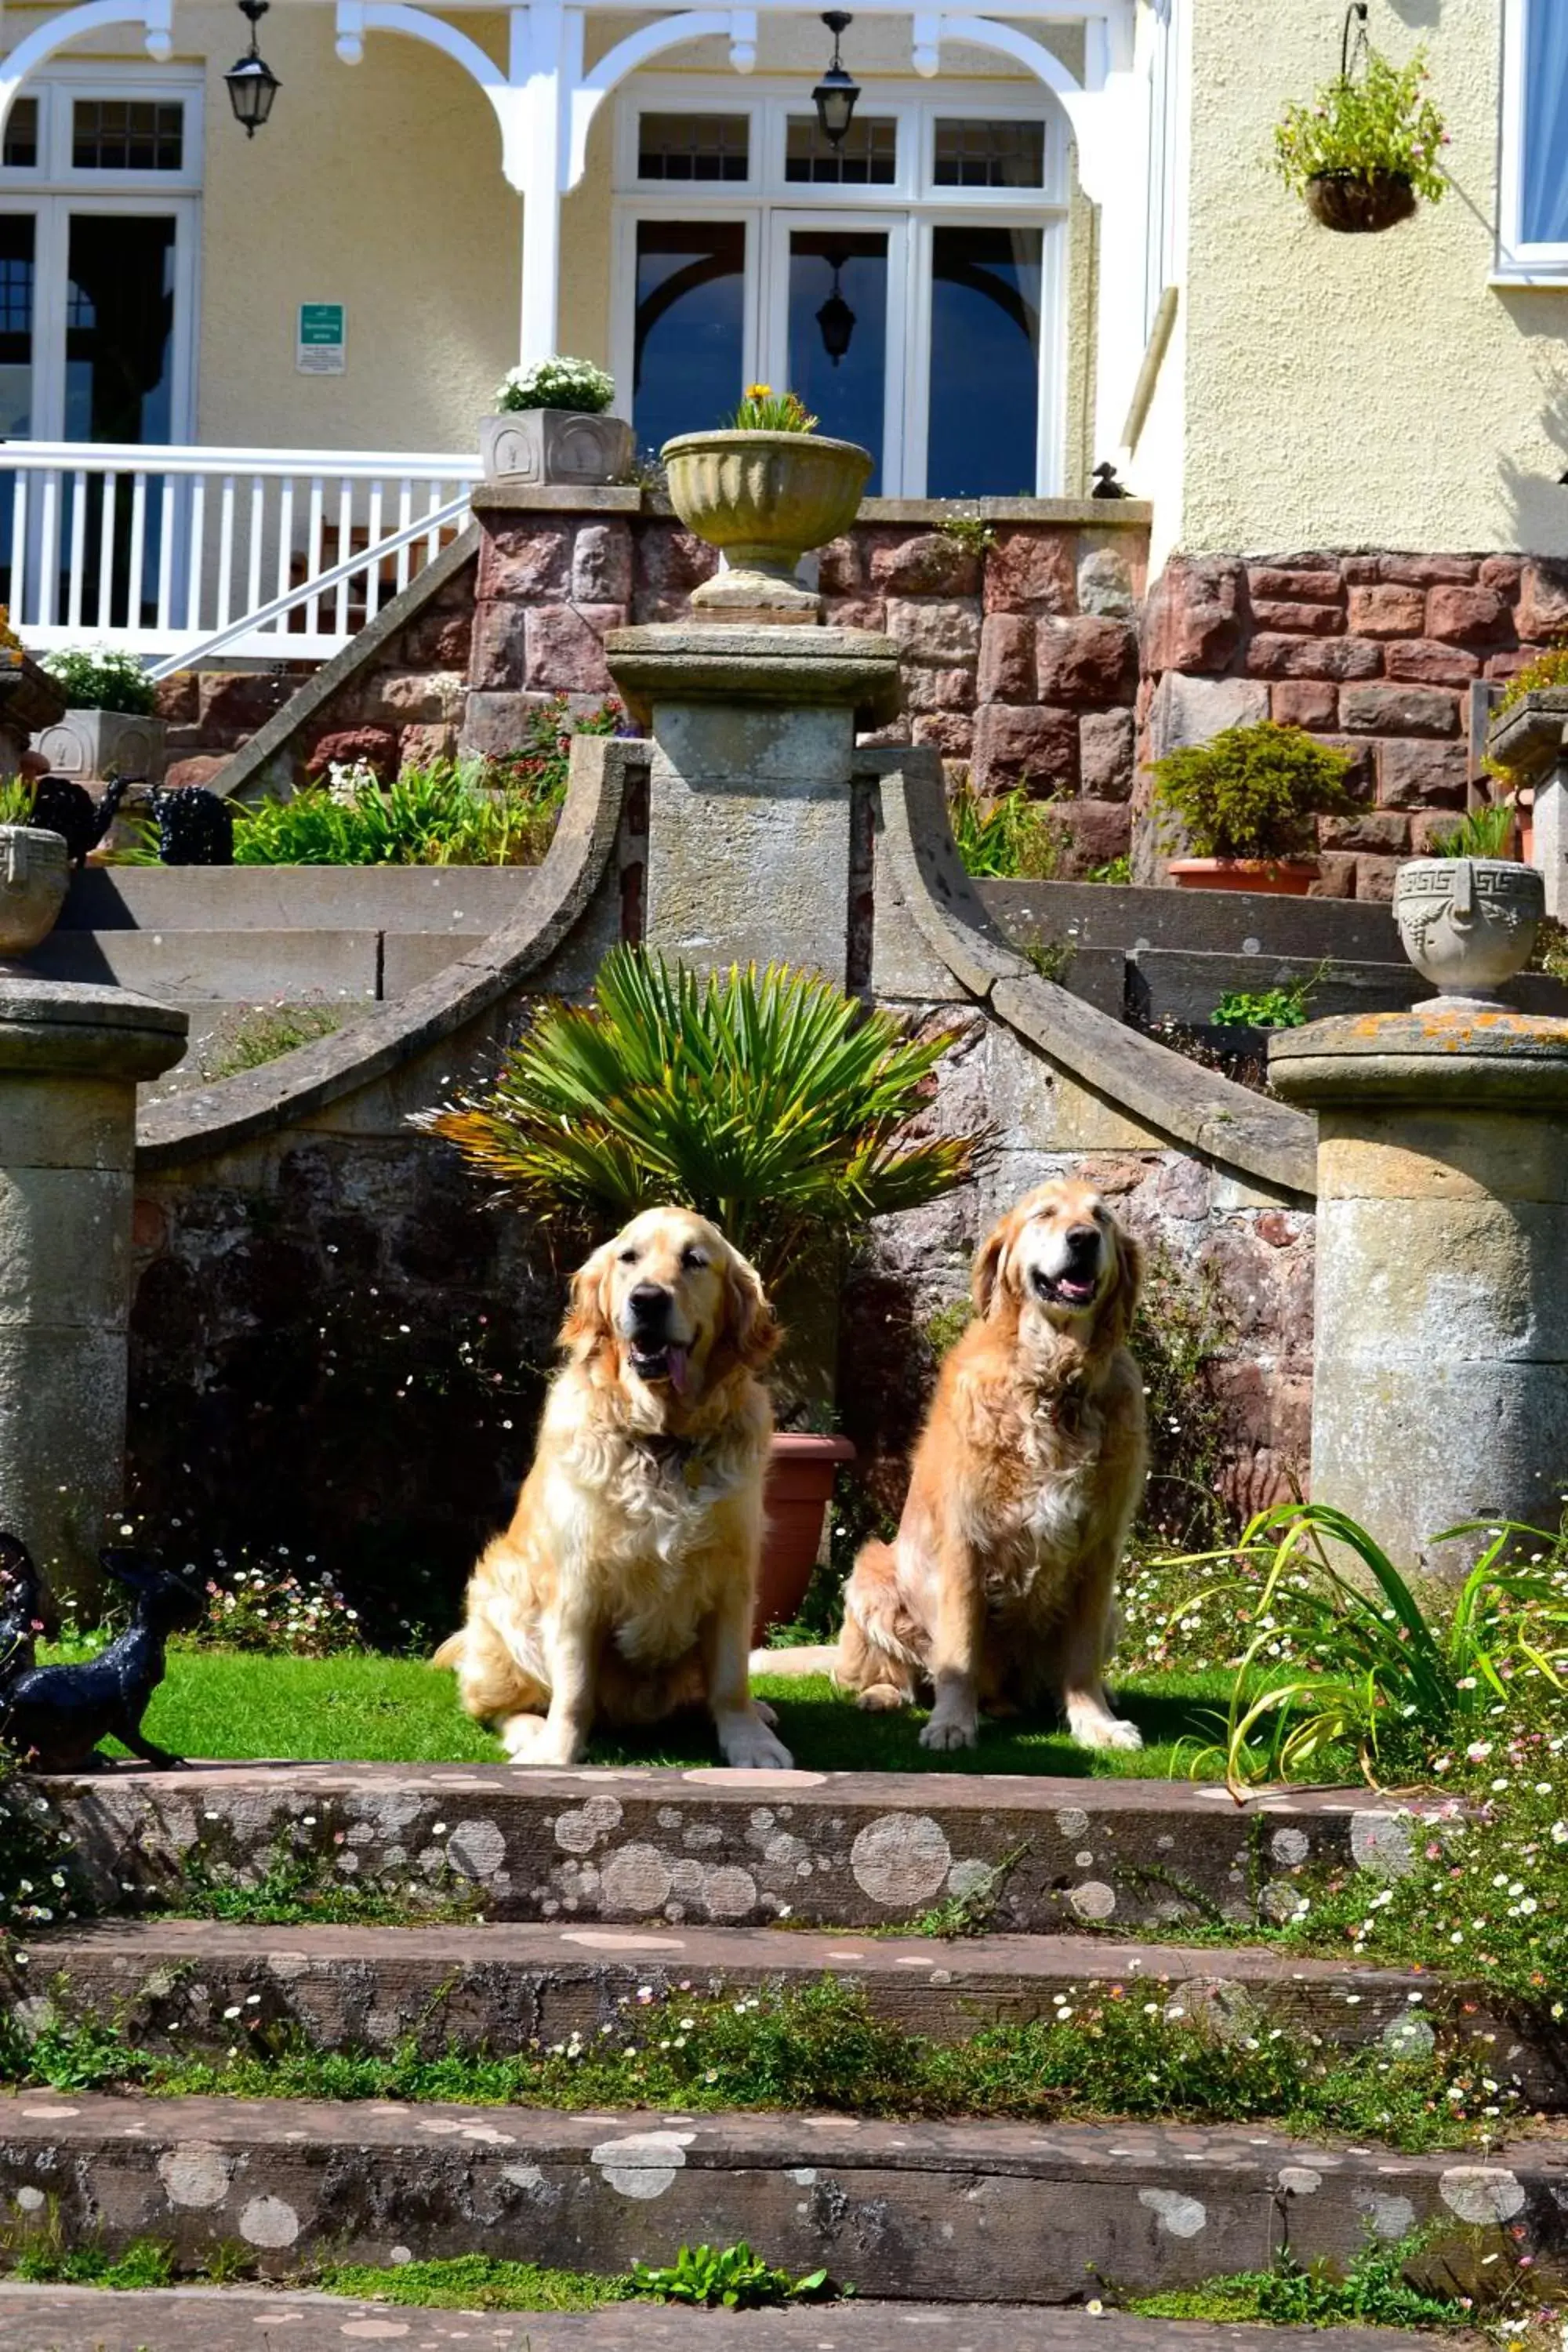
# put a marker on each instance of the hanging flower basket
(1358, 203)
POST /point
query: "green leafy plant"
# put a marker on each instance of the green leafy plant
(555, 384)
(450, 814)
(104, 680)
(1251, 792)
(972, 532)
(474, 2282)
(764, 410)
(15, 801)
(277, 1610)
(1347, 1656)
(767, 1101)
(1115, 870)
(1009, 838)
(1382, 121)
(265, 1034)
(1285, 1007)
(1374, 2291)
(731, 2276)
(1484, 832)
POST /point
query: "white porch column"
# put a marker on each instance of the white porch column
(546, 66)
(1110, 125)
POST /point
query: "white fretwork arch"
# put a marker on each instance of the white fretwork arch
(651, 41)
(155, 17)
(358, 17)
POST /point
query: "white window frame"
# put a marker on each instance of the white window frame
(1519, 262)
(911, 198)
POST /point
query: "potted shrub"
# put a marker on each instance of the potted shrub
(1367, 146)
(769, 1101)
(110, 725)
(1467, 914)
(764, 488)
(1524, 738)
(550, 426)
(1243, 804)
(35, 870)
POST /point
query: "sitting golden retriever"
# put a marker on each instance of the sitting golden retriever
(624, 1587)
(998, 1588)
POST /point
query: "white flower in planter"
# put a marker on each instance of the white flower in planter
(556, 383)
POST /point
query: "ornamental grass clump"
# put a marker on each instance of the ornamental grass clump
(1341, 1654)
(1251, 792)
(1379, 124)
(767, 1101)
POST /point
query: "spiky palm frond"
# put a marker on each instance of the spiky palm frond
(768, 1101)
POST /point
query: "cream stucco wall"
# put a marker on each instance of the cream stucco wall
(1343, 391)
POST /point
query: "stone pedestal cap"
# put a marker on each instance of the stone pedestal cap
(1427, 1054)
(696, 661)
(107, 1033)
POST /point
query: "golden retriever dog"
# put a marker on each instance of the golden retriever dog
(624, 1587)
(999, 1586)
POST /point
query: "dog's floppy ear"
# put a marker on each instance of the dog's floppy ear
(987, 1272)
(587, 1324)
(750, 1326)
(1121, 1302)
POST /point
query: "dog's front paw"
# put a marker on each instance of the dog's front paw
(531, 1739)
(1092, 1726)
(882, 1698)
(747, 1743)
(948, 1731)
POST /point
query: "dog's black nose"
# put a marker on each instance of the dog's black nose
(648, 1303)
(1083, 1241)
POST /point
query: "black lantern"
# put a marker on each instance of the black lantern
(252, 84)
(836, 319)
(837, 92)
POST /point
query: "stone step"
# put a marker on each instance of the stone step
(177, 1982)
(910, 2210)
(819, 1849)
(290, 965)
(223, 2319)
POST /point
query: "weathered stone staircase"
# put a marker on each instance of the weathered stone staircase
(603, 1888)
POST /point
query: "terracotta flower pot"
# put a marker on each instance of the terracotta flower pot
(764, 499)
(1358, 203)
(800, 1482)
(1272, 877)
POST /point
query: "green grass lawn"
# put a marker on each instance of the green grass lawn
(400, 1710)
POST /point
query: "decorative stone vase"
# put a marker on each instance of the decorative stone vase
(90, 746)
(1468, 923)
(801, 1471)
(34, 871)
(764, 499)
(1358, 203)
(1272, 877)
(537, 446)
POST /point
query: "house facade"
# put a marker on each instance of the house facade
(232, 366)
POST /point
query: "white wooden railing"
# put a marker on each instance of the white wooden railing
(156, 549)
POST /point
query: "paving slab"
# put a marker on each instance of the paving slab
(234, 2319)
(176, 1983)
(819, 1849)
(933, 2212)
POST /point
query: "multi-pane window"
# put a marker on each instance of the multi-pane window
(693, 146)
(867, 156)
(126, 134)
(971, 155)
(688, 352)
(21, 147)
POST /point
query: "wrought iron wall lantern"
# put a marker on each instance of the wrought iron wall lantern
(252, 84)
(836, 319)
(837, 92)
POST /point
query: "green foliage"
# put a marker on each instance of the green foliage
(1484, 832)
(1269, 1008)
(1374, 2291)
(474, 2282)
(16, 800)
(769, 1101)
(276, 1610)
(1364, 1666)
(971, 532)
(1550, 668)
(450, 814)
(1011, 838)
(1051, 959)
(946, 1328)
(265, 1035)
(1252, 792)
(1115, 870)
(731, 2276)
(764, 410)
(555, 384)
(1381, 123)
(104, 681)
(1180, 1330)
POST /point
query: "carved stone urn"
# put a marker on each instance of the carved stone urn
(1467, 924)
(764, 499)
(35, 869)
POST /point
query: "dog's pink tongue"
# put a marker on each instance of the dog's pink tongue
(675, 1360)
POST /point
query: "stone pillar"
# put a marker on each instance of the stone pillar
(1440, 1386)
(70, 1061)
(749, 811)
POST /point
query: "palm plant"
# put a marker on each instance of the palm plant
(1360, 1662)
(769, 1101)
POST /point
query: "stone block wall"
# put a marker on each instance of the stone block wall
(1017, 629)
(1374, 652)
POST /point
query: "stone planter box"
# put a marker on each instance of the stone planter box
(538, 447)
(90, 746)
(1529, 742)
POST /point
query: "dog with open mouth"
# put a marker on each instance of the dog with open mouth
(624, 1586)
(999, 1590)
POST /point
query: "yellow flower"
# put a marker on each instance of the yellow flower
(759, 391)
